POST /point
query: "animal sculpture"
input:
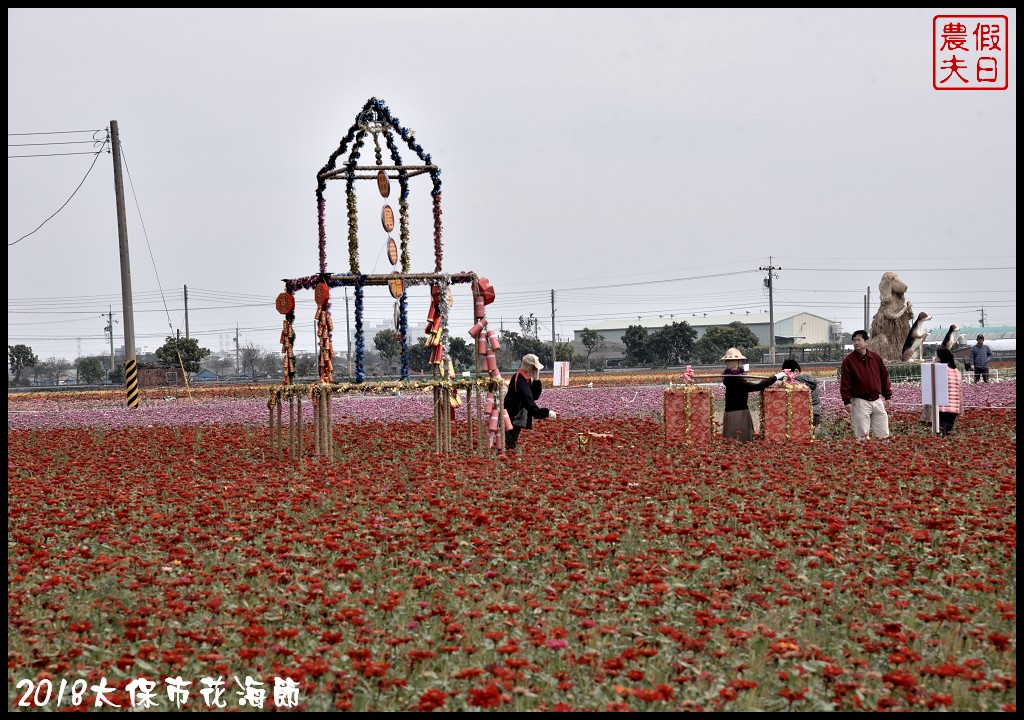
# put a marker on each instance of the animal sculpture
(892, 322)
(951, 339)
(915, 337)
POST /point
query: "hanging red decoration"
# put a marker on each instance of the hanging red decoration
(486, 289)
(322, 294)
(285, 303)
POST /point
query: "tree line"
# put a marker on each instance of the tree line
(673, 344)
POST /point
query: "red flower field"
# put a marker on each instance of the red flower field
(627, 574)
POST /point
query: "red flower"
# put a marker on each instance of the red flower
(486, 697)
(431, 700)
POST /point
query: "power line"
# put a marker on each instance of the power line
(34, 155)
(55, 132)
(64, 142)
(87, 173)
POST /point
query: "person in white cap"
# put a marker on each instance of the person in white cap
(521, 399)
(737, 423)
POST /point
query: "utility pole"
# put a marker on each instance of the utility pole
(238, 367)
(554, 345)
(982, 311)
(771, 308)
(110, 330)
(131, 372)
(186, 312)
(867, 310)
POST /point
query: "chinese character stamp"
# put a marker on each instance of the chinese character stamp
(970, 52)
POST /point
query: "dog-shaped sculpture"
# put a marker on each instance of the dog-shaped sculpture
(915, 337)
(952, 339)
(892, 322)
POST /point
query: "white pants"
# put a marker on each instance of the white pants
(869, 416)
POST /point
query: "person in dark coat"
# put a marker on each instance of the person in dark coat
(521, 400)
(737, 423)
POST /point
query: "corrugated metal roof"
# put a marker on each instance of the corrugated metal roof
(656, 321)
(969, 334)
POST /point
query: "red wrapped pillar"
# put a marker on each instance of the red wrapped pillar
(786, 415)
(689, 414)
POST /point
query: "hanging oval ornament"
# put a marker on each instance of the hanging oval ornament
(392, 251)
(383, 184)
(387, 218)
(285, 303)
(448, 297)
(397, 286)
(398, 316)
(322, 293)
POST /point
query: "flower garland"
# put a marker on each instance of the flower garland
(353, 228)
(403, 230)
(403, 329)
(321, 209)
(438, 253)
(360, 347)
(315, 390)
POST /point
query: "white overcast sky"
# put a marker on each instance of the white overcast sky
(636, 161)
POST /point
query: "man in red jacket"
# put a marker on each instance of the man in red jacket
(865, 389)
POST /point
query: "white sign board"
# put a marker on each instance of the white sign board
(934, 384)
(561, 374)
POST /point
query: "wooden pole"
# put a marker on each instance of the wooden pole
(280, 428)
(325, 424)
(469, 418)
(270, 425)
(291, 425)
(316, 425)
(298, 426)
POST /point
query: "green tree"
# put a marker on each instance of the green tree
(592, 341)
(716, 340)
(566, 353)
(635, 340)
(90, 370)
(514, 346)
(419, 356)
(305, 365)
(49, 371)
(191, 354)
(20, 357)
(671, 344)
(388, 346)
(117, 374)
(252, 360)
(530, 326)
(462, 354)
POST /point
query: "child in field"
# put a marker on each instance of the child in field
(792, 366)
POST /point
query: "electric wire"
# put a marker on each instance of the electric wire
(88, 172)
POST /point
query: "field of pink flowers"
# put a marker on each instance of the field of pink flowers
(168, 544)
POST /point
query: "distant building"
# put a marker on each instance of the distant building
(790, 328)
(205, 375)
(158, 374)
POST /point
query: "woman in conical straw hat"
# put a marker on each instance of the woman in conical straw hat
(738, 424)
